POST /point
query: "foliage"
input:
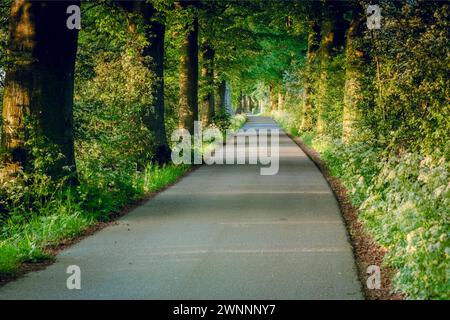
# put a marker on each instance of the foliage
(407, 210)
(237, 122)
(403, 203)
(396, 167)
(222, 120)
(410, 55)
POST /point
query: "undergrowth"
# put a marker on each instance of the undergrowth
(404, 203)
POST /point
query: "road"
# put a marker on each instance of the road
(221, 232)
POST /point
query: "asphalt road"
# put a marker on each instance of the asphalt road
(222, 232)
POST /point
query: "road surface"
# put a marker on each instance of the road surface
(222, 232)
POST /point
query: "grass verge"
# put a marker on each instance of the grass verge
(71, 213)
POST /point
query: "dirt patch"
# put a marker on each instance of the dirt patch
(53, 250)
(366, 251)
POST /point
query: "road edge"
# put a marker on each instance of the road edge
(365, 250)
(54, 250)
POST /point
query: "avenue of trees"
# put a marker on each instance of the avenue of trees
(87, 114)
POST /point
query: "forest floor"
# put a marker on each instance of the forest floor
(221, 232)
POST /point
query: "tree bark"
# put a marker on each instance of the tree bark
(39, 85)
(280, 101)
(325, 51)
(155, 34)
(241, 103)
(208, 100)
(332, 36)
(308, 118)
(221, 90)
(352, 89)
(188, 112)
(273, 98)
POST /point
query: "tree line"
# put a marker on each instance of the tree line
(41, 55)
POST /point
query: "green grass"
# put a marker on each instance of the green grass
(237, 122)
(24, 237)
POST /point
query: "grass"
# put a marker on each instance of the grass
(237, 122)
(25, 237)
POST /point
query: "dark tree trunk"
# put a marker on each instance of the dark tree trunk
(39, 86)
(241, 103)
(208, 101)
(220, 105)
(251, 104)
(188, 112)
(155, 34)
(155, 50)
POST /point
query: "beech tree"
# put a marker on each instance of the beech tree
(188, 106)
(39, 83)
(333, 28)
(308, 102)
(355, 62)
(153, 23)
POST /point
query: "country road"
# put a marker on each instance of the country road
(221, 232)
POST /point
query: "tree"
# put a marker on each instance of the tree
(355, 62)
(39, 84)
(308, 119)
(188, 107)
(208, 100)
(154, 50)
(333, 27)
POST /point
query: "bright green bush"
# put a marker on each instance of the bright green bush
(237, 121)
(408, 211)
(404, 203)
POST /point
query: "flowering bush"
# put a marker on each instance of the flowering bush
(408, 211)
(404, 202)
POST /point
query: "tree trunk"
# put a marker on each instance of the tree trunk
(325, 51)
(208, 101)
(273, 98)
(188, 112)
(308, 118)
(247, 104)
(227, 99)
(280, 101)
(221, 104)
(332, 41)
(155, 34)
(39, 85)
(352, 89)
(241, 103)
